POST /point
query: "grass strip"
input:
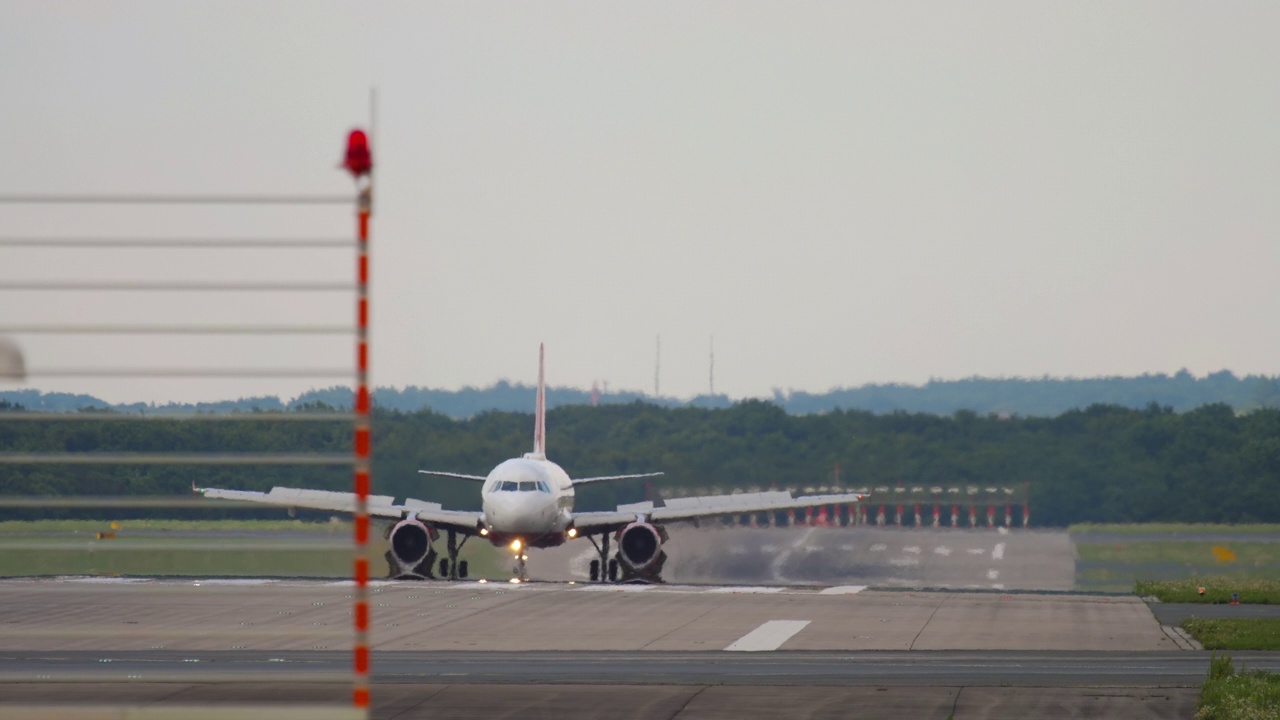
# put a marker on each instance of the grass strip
(28, 527)
(1217, 590)
(1243, 695)
(1235, 634)
(194, 548)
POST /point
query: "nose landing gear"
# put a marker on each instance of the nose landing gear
(521, 573)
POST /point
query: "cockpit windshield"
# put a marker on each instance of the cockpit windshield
(522, 486)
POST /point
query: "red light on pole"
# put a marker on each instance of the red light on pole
(359, 161)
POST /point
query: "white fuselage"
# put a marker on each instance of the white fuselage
(528, 498)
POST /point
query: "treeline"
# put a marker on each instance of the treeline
(1101, 464)
(1027, 397)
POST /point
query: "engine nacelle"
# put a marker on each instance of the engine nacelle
(640, 545)
(410, 554)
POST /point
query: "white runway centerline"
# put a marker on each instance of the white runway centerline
(997, 552)
(768, 636)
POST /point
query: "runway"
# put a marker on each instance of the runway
(943, 558)
(791, 630)
(212, 615)
(462, 701)
(639, 685)
(876, 669)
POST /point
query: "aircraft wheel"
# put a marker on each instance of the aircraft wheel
(595, 570)
(613, 571)
(444, 568)
(462, 569)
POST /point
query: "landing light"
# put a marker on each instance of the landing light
(484, 532)
(514, 581)
(573, 532)
(516, 545)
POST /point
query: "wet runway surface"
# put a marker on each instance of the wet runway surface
(882, 557)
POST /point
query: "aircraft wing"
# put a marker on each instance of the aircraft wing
(602, 478)
(595, 523)
(706, 506)
(464, 521)
(692, 508)
(379, 505)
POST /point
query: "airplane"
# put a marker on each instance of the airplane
(527, 502)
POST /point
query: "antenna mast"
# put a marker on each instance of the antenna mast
(657, 368)
(713, 364)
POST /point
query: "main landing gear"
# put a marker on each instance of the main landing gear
(450, 567)
(604, 562)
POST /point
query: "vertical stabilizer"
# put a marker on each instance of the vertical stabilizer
(540, 410)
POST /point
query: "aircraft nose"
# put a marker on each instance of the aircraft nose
(503, 508)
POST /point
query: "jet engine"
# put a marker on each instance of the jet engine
(640, 550)
(411, 555)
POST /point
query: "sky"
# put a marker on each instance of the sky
(838, 193)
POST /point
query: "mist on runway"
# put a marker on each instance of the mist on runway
(983, 558)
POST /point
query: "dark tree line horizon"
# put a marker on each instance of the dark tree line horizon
(1105, 463)
(1027, 397)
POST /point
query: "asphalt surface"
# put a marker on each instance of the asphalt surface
(932, 668)
(551, 650)
(961, 558)
(461, 701)
(1175, 613)
(212, 615)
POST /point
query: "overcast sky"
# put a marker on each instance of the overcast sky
(840, 193)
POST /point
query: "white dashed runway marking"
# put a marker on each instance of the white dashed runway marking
(997, 552)
(768, 636)
(843, 590)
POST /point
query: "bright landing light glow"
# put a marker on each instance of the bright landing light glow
(573, 532)
(516, 545)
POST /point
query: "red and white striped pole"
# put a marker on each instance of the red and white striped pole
(359, 162)
(363, 447)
